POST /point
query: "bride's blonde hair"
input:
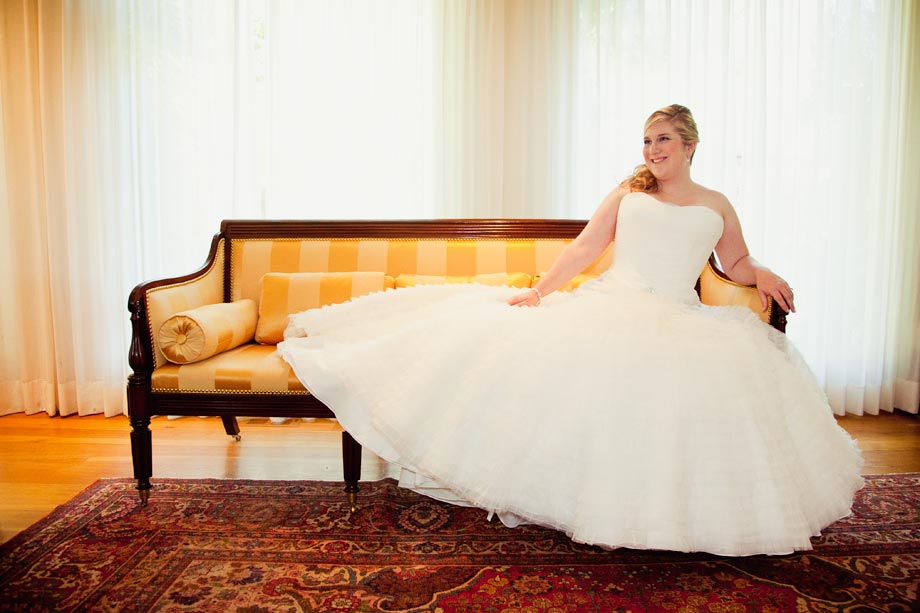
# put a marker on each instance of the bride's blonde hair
(642, 179)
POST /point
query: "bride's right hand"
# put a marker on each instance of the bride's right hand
(526, 298)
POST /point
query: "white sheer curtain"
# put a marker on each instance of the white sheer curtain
(62, 193)
(901, 361)
(348, 110)
(130, 129)
(122, 133)
(186, 92)
(27, 372)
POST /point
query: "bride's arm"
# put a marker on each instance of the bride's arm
(576, 256)
(741, 268)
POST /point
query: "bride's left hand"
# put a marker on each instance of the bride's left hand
(771, 284)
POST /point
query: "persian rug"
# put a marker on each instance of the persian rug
(263, 546)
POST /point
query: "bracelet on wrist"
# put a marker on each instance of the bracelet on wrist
(537, 292)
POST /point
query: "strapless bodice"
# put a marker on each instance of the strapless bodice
(662, 247)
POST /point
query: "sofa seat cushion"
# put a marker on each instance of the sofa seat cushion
(250, 368)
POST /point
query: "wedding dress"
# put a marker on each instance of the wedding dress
(625, 413)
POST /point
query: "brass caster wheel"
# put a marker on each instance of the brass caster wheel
(353, 501)
(144, 495)
(237, 437)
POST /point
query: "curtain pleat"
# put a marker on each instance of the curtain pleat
(347, 109)
(130, 129)
(901, 362)
(27, 368)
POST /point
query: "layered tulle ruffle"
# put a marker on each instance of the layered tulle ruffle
(619, 416)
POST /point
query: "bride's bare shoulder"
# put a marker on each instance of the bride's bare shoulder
(715, 200)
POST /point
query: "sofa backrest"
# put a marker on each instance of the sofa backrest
(251, 259)
(453, 247)
(246, 250)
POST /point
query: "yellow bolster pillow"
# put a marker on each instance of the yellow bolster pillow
(512, 279)
(286, 293)
(573, 282)
(197, 334)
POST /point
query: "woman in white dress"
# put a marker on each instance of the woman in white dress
(625, 413)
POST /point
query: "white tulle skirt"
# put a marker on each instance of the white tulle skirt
(621, 417)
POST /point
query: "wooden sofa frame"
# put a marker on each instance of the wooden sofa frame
(145, 402)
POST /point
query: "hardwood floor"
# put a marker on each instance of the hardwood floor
(46, 461)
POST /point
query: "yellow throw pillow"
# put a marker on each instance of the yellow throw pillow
(286, 293)
(573, 282)
(197, 334)
(512, 279)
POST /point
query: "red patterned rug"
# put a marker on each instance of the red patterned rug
(260, 546)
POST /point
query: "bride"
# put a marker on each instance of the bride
(624, 413)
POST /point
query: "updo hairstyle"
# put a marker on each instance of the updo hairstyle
(642, 179)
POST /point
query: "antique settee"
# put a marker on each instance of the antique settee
(203, 344)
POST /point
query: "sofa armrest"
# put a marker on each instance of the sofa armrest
(716, 289)
(153, 302)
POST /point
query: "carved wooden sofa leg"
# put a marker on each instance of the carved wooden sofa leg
(232, 427)
(141, 440)
(351, 458)
(142, 454)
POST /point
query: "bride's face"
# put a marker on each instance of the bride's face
(664, 152)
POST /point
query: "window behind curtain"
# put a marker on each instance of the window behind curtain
(154, 121)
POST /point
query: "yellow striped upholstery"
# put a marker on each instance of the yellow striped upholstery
(257, 368)
(250, 368)
(197, 334)
(716, 291)
(514, 279)
(253, 258)
(284, 294)
(165, 301)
